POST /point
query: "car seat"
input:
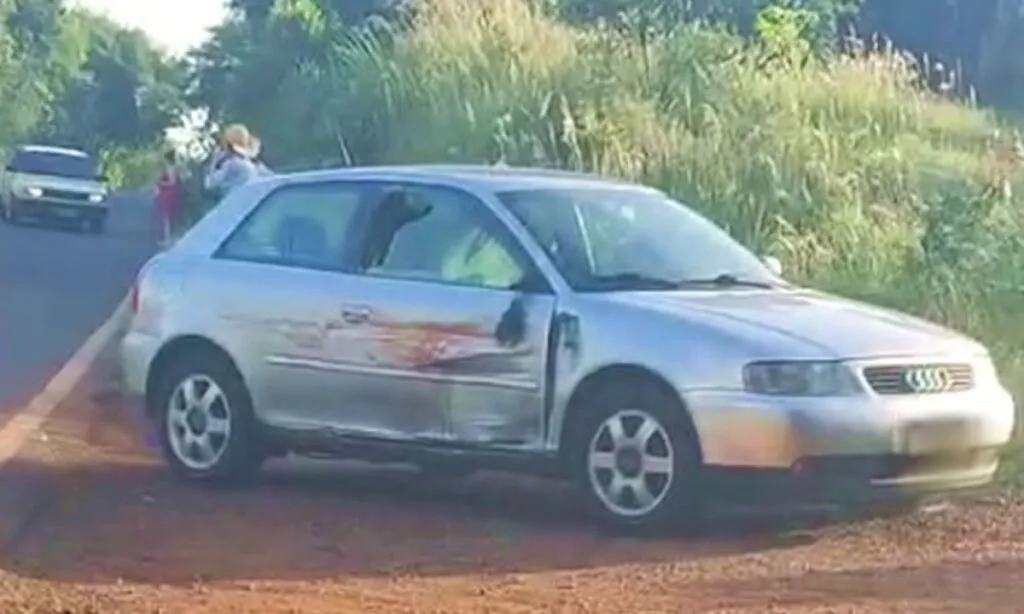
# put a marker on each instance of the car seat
(302, 239)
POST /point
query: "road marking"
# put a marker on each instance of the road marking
(30, 418)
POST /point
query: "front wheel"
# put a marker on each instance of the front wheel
(637, 458)
(205, 421)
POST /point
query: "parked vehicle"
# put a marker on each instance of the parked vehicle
(466, 318)
(53, 183)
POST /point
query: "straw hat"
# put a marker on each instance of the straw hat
(255, 146)
(238, 138)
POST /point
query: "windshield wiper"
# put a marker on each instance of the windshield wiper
(630, 281)
(728, 280)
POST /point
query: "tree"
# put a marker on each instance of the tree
(665, 15)
(121, 92)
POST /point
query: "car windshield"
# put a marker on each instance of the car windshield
(54, 164)
(609, 239)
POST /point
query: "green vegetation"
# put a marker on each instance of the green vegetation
(75, 79)
(1011, 471)
(860, 179)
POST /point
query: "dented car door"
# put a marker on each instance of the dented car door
(456, 323)
(450, 363)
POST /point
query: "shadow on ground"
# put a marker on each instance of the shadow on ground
(132, 522)
(121, 517)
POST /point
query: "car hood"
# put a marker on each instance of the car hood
(55, 182)
(804, 323)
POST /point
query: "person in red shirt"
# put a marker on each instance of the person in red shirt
(169, 199)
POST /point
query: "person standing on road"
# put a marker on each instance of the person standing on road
(235, 165)
(169, 199)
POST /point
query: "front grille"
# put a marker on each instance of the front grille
(64, 195)
(935, 378)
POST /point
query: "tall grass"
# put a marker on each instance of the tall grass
(859, 180)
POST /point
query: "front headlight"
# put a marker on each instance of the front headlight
(96, 198)
(801, 379)
(33, 192)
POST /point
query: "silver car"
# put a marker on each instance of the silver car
(465, 318)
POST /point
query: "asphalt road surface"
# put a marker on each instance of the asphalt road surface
(57, 286)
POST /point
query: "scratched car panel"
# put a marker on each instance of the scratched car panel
(521, 319)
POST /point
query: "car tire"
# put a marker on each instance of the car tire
(205, 422)
(635, 455)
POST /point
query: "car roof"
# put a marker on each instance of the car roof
(47, 149)
(489, 178)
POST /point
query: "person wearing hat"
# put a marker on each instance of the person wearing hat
(236, 164)
(255, 146)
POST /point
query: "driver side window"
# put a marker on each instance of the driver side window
(438, 234)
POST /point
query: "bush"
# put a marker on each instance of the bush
(861, 181)
(130, 168)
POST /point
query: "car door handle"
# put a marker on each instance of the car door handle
(355, 315)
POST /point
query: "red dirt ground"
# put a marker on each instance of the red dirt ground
(123, 537)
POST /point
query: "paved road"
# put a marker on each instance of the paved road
(57, 286)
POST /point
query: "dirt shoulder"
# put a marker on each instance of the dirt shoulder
(123, 537)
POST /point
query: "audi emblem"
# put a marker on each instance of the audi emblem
(928, 379)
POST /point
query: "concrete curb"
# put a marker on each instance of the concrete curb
(24, 490)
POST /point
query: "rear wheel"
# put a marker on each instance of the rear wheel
(637, 459)
(205, 421)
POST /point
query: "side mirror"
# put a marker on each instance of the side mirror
(512, 327)
(774, 265)
(102, 178)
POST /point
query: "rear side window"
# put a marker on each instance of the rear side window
(54, 164)
(302, 225)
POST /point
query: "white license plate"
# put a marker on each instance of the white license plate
(936, 437)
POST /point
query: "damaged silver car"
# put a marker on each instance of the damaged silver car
(471, 318)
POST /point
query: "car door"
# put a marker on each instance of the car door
(283, 274)
(456, 321)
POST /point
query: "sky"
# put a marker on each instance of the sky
(176, 25)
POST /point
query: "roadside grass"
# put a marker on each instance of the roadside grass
(1011, 471)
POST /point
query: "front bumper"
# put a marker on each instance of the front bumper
(853, 481)
(859, 448)
(59, 209)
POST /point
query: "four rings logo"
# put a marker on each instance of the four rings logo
(928, 379)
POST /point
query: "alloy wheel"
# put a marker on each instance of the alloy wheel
(630, 463)
(198, 422)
